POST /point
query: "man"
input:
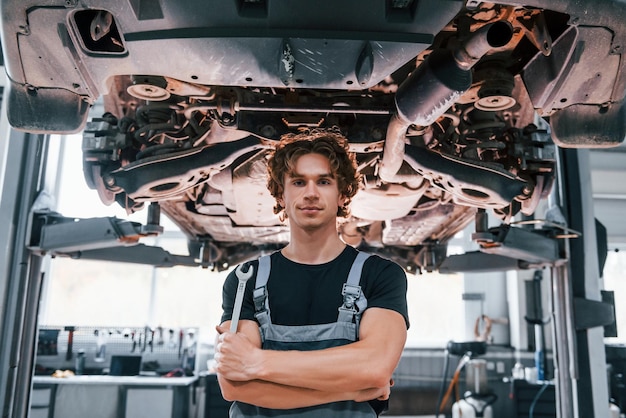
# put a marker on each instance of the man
(322, 325)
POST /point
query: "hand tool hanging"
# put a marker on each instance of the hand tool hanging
(70, 342)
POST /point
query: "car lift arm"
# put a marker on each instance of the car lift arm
(507, 247)
(107, 239)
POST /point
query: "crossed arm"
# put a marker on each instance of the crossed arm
(289, 379)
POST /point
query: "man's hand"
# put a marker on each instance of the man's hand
(236, 357)
(380, 394)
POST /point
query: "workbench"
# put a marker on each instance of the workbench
(103, 396)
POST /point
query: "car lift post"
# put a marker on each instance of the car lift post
(22, 163)
(578, 284)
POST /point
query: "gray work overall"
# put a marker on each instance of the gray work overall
(310, 337)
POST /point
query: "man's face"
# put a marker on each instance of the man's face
(311, 195)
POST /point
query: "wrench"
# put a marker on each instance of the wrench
(243, 278)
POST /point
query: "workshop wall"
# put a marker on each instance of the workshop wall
(161, 350)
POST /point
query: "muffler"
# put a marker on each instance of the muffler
(433, 87)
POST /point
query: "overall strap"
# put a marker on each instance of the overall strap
(261, 304)
(354, 301)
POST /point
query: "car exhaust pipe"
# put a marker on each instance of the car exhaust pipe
(433, 87)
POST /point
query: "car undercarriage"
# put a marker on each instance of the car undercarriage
(452, 108)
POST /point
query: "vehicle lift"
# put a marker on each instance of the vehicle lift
(33, 231)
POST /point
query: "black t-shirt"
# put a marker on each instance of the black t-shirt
(303, 294)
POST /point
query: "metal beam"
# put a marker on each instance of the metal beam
(22, 157)
(586, 345)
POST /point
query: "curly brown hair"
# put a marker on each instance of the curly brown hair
(329, 143)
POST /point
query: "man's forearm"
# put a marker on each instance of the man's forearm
(276, 396)
(364, 364)
(345, 368)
